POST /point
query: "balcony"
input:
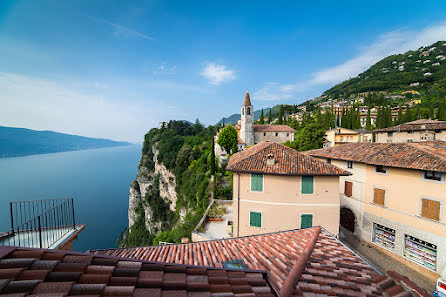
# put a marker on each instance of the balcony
(217, 222)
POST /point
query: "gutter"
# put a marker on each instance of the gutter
(238, 205)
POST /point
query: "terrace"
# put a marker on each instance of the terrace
(217, 222)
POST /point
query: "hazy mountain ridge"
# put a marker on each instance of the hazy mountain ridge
(17, 142)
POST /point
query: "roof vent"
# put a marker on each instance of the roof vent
(270, 160)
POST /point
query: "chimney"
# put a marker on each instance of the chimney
(270, 161)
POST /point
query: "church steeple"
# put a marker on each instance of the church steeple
(247, 121)
(247, 100)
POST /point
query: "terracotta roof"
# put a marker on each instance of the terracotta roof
(287, 161)
(418, 125)
(50, 273)
(273, 128)
(331, 269)
(269, 128)
(247, 100)
(426, 155)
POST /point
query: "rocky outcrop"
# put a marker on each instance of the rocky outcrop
(139, 187)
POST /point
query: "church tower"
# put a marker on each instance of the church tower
(247, 122)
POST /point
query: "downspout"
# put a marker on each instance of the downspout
(238, 205)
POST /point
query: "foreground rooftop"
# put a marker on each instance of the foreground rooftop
(302, 262)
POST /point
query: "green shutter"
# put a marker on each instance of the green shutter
(255, 219)
(306, 220)
(307, 184)
(257, 182)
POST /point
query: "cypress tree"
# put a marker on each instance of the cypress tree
(223, 123)
(358, 119)
(261, 120)
(212, 167)
(368, 124)
(280, 119)
(269, 117)
(379, 122)
(388, 117)
(417, 114)
(399, 120)
(343, 122)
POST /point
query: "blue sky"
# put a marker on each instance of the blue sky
(114, 69)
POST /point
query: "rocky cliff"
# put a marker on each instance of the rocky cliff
(144, 181)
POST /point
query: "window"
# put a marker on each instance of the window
(349, 164)
(380, 169)
(384, 236)
(430, 209)
(288, 134)
(243, 111)
(248, 110)
(277, 134)
(306, 220)
(379, 196)
(432, 175)
(389, 134)
(264, 134)
(329, 161)
(234, 264)
(420, 251)
(307, 184)
(256, 182)
(348, 188)
(255, 219)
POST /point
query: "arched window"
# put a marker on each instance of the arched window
(243, 111)
(248, 110)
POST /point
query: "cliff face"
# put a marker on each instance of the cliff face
(144, 181)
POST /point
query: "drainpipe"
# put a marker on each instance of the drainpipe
(238, 205)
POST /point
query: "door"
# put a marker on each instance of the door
(306, 220)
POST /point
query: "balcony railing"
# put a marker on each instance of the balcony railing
(40, 223)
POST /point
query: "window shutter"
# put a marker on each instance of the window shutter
(379, 196)
(255, 219)
(348, 189)
(257, 182)
(252, 219)
(307, 184)
(430, 209)
(306, 220)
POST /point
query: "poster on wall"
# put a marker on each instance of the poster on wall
(420, 251)
(384, 236)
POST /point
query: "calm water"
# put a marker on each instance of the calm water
(98, 180)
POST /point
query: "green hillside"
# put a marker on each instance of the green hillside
(424, 67)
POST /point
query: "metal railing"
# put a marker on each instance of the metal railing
(39, 223)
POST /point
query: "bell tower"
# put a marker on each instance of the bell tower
(247, 121)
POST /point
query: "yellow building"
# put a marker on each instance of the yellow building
(339, 136)
(395, 198)
(276, 188)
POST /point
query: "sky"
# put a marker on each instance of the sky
(114, 69)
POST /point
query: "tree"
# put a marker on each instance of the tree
(261, 120)
(280, 119)
(368, 124)
(227, 138)
(399, 120)
(223, 123)
(269, 117)
(310, 137)
(388, 117)
(212, 161)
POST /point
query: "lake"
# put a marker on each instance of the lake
(97, 179)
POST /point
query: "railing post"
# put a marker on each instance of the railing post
(74, 222)
(12, 218)
(40, 232)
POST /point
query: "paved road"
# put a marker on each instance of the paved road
(384, 262)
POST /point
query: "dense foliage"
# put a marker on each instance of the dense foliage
(186, 150)
(227, 139)
(395, 74)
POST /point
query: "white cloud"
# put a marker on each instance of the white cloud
(387, 44)
(217, 73)
(122, 31)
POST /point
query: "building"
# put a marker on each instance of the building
(303, 262)
(250, 133)
(395, 199)
(339, 136)
(419, 130)
(273, 181)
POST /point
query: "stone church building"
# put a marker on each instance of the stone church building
(250, 133)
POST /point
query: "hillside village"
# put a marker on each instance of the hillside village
(342, 195)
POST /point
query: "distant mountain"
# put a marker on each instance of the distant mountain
(232, 119)
(423, 70)
(16, 142)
